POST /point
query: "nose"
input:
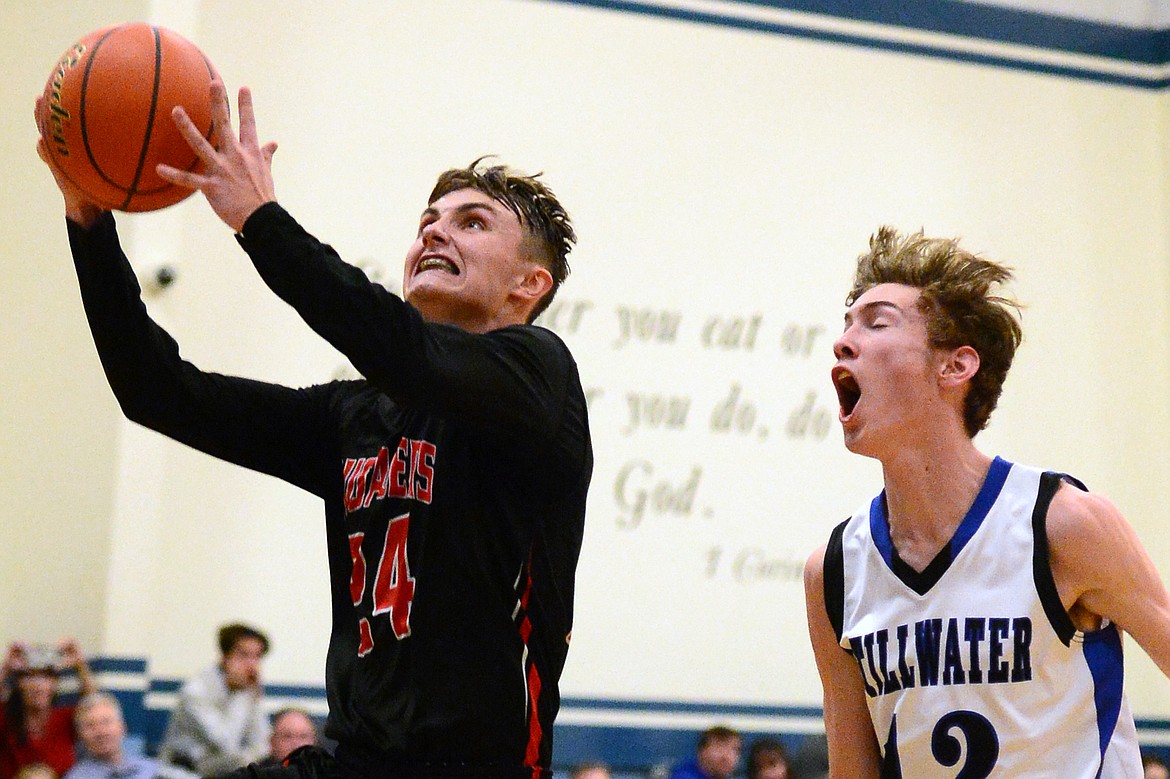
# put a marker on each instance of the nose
(844, 346)
(434, 232)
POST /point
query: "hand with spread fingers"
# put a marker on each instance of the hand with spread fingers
(237, 172)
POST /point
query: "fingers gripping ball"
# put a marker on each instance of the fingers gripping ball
(106, 114)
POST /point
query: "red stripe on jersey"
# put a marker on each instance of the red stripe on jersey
(535, 732)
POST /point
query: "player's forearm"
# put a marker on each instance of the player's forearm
(253, 424)
(136, 354)
(382, 336)
(497, 382)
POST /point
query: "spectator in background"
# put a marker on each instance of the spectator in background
(812, 758)
(716, 756)
(767, 759)
(102, 730)
(1154, 768)
(36, 771)
(594, 769)
(219, 724)
(32, 729)
(292, 728)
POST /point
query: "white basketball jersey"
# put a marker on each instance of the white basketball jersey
(972, 668)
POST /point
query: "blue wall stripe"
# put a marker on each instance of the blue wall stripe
(630, 747)
(688, 707)
(900, 47)
(118, 665)
(1005, 25)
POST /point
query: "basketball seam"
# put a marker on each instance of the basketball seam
(149, 117)
(81, 108)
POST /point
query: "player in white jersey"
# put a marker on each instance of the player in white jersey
(968, 622)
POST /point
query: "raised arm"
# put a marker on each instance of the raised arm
(513, 381)
(72, 657)
(266, 427)
(1101, 569)
(853, 748)
(14, 661)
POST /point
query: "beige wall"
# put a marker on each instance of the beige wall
(714, 175)
(59, 421)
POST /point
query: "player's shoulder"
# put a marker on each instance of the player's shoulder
(814, 567)
(828, 558)
(534, 335)
(1080, 517)
(536, 350)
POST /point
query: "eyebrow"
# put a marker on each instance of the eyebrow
(870, 306)
(463, 208)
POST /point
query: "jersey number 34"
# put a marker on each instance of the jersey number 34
(393, 590)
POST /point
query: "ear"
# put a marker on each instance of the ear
(532, 286)
(958, 367)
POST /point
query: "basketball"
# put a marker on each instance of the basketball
(106, 114)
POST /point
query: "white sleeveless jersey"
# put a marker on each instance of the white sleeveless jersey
(972, 668)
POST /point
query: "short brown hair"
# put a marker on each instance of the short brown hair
(958, 303)
(533, 203)
(230, 635)
(717, 733)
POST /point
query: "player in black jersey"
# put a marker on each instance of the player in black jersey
(453, 474)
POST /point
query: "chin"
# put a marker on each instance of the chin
(855, 442)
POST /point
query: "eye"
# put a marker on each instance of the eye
(474, 223)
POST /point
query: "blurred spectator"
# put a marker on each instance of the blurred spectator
(716, 755)
(767, 759)
(36, 771)
(32, 729)
(812, 758)
(219, 724)
(593, 769)
(292, 728)
(1154, 767)
(102, 730)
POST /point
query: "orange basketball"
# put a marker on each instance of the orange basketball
(106, 117)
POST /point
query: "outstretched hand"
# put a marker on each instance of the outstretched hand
(237, 172)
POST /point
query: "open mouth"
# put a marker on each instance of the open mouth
(848, 391)
(435, 262)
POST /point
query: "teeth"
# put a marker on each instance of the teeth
(437, 263)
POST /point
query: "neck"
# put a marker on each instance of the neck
(929, 489)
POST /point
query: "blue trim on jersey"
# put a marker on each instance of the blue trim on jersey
(992, 485)
(1103, 655)
(879, 523)
(879, 529)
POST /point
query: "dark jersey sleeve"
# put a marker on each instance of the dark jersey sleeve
(266, 427)
(511, 381)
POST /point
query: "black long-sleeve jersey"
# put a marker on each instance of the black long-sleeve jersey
(454, 477)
